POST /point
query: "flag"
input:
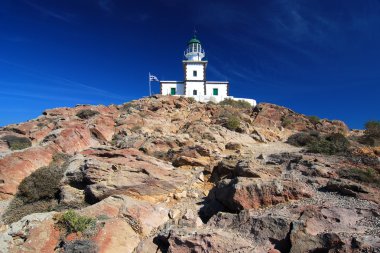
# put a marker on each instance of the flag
(153, 78)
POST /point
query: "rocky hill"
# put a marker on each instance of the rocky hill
(167, 174)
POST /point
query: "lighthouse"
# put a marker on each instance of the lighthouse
(195, 83)
(194, 67)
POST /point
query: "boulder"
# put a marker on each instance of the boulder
(263, 230)
(304, 242)
(188, 161)
(35, 233)
(245, 168)
(116, 236)
(128, 172)
(344, 188)
(278, 159)
(212, 241)
(224, 169)
(247, 193)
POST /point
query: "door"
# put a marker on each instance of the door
(215, 92)
(172, 91)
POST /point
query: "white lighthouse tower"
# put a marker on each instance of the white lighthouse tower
(195, 84)
(195, 69)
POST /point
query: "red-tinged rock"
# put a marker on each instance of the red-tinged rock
(73, 139)
(141, 215)
(34, 233)
(274, 117)
(4, 146)
(124, 172)
(39, 135)
(61, 111)
(72, 237)
(103, 128)
(24, 128)
(107, 208)
(18, 165)
(189, 161)
(332, 126)
(116, 236)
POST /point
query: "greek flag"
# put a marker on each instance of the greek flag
(153, 78)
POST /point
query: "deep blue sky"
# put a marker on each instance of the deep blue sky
(315, 57)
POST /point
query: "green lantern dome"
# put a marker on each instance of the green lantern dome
(194, 40)
(194, 50)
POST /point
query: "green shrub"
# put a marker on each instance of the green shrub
(339, 141)
(321, 146)
(86, 113)
(335, 143)
(236, 103)
(371, 134)
(314, 119)
(39, 192)
(73, 222)
(232, 122)
(17, 209)
(302, 139)
(286, 122)
(41, 184)
(367, 175)
(17, 143)
(229, 118)
(119, 138)
(129, 107)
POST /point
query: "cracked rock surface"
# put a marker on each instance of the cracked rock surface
(165, 174)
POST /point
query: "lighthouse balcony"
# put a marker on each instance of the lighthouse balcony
(194, 50)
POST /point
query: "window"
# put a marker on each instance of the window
(172, 91)
(195, 92)
(195, 73)
(215, 92)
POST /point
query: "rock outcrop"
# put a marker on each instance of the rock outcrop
(167, 174)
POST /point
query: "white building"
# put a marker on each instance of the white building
(195, 84)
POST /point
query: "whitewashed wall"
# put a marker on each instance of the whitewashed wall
(166, 87)
(199, 86)
(222, 89)
(190, 67)
(190, 86)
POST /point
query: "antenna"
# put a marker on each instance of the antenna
(195, 32)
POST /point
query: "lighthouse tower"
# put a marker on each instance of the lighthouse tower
(194, 69)
(194, 83)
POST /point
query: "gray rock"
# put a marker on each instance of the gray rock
(81, 246)
(344, 188)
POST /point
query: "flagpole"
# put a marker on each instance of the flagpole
(150, 89)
